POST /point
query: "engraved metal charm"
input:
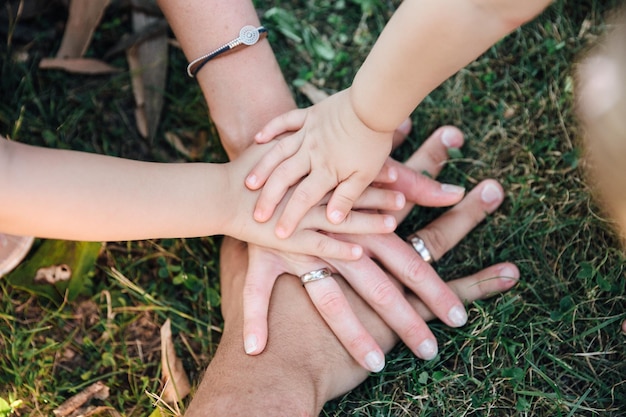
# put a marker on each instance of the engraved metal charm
(249, 35)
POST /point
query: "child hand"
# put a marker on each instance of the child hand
(331, 148)
(311, 234)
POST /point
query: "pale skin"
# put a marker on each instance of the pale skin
(371, 283)
(341, 143)
(238, 105)
(601, 101)
(79, 196)
(304, 365)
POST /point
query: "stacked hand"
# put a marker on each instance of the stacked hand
(330, 149)
(369, 280)
(312, 236)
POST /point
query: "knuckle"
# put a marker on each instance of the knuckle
(415, 270)
(322, 246)
(283, 147)
(357, 343)
(384, 294)
(282, 172)
(342, 200)
(332, 303)
(253, 291)
(414, 332)
(301, 195)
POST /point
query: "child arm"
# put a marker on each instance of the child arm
(73, 195)
(342, 142)
(81, 196)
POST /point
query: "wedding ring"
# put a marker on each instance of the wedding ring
(315, 275)
(420, 247)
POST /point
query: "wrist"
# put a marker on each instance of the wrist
(231, 193)
(359, 111)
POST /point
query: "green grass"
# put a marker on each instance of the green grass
(549, 347)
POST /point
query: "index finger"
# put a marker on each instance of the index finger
(309, 192)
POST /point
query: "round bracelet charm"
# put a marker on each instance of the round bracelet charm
(249, 35)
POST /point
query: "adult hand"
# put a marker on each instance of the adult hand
(369, 280)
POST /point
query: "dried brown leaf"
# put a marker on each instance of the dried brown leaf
(157, 28)
(314, 94)
(174, 377)
(174, 140)
(95, 411)
(98, 391)
(190, 144)
(83, 19)
(78, 65)
(151, 68)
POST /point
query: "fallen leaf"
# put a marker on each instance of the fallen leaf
(157, 28)
(314, 94)
(84, 17)
(148, 63)
(174, 378)
(97, 390)
(13, 249)
(80, 257)
(190, 144)
(95, 411)
(78, 65)
(174, 140)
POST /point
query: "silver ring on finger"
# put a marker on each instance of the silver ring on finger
(315, 275)
(420, 247)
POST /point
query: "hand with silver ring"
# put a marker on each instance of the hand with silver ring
(315, 275)
(420, 247)
(372, 283)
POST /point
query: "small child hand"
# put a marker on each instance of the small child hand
(311, 236)
(331, 148)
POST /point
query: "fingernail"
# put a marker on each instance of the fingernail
(457, 316)
(281, 232)
(427, 350)
(357, 252)
(390, 222)
(251, 180)
(490, 194)
(447, 138)
(392, 173)
(508, 277)
(405, 127)
(400, 200)
(250, 344)
(336, 216)
(258, 215)
(375, 361)
(508, 272)
(258, 136)
(452, 189)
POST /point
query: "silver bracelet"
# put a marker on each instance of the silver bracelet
(248, 36)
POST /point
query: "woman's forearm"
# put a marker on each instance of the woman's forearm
(79, 196)
(244, 89)
(424, 43)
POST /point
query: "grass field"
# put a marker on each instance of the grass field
(550, 347)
